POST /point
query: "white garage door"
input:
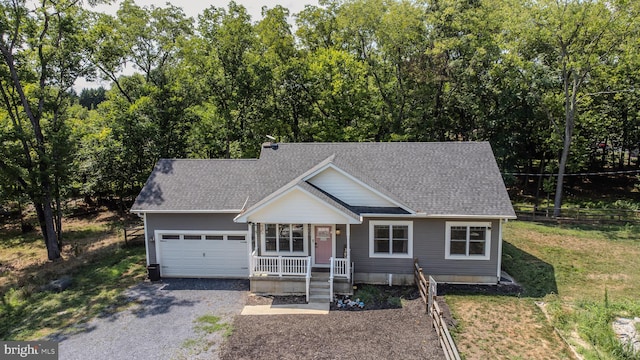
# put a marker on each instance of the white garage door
(203, 253)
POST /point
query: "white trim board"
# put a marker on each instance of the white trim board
(343, 217)
(230, 211)
(438, 216)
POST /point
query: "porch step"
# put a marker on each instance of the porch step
(319, 290)
(319, 285)
(317, 276)
(315, 299)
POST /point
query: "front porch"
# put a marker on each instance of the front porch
(295, 275)
(300, 243)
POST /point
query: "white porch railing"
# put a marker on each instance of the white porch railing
(341, 267)
(280, 265)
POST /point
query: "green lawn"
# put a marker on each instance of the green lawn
(582, 276)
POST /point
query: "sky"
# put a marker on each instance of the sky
(192, 8)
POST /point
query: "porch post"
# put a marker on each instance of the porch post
(256, 228)
(348, 267)
(348, 242)
(249, 246)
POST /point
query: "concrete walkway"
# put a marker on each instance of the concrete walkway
(287, 309)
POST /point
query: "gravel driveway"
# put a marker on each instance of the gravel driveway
(161, 323)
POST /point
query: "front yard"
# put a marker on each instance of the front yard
(582, 276)
(401, 333)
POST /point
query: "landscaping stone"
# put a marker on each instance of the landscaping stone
(627, 332)
(58, 285)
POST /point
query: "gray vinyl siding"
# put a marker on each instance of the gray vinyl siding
(428, 244)
(428, 247)
(213, 222)
(341, 240)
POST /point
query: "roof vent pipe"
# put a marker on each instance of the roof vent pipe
(270, 144)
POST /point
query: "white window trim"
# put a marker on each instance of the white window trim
(305, 240)
(373, 254)
(447, 241)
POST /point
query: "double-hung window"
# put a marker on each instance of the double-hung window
(391, 239)
(284, 238)
(468, 240)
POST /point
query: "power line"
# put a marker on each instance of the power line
(576, 174)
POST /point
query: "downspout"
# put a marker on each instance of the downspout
(499, 271)
(146, 239)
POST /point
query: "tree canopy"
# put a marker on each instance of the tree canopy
(550, 84)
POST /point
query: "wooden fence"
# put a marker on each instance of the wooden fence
(428, 292)
(422, 283)
(135, 233)
(578, 215)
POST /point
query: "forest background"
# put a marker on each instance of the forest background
(551, 84)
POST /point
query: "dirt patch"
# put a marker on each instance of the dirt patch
(404, 333)
(254, 299)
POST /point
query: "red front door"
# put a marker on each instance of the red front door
(322, 235)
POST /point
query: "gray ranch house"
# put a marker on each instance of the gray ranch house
(329, 214)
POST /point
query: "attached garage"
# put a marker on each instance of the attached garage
(202, 253)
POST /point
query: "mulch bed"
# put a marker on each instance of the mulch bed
(275, 300)
(384, 299)
(403, 333)
(512, 289)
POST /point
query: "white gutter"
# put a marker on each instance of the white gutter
(229, 211)
(438, 216)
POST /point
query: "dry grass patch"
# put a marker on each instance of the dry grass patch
(493, 327)
(23, 259)
(92, 254)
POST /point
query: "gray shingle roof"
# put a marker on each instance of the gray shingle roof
(438, 178)
(196, 185)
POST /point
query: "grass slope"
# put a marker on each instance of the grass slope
(101, 269)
